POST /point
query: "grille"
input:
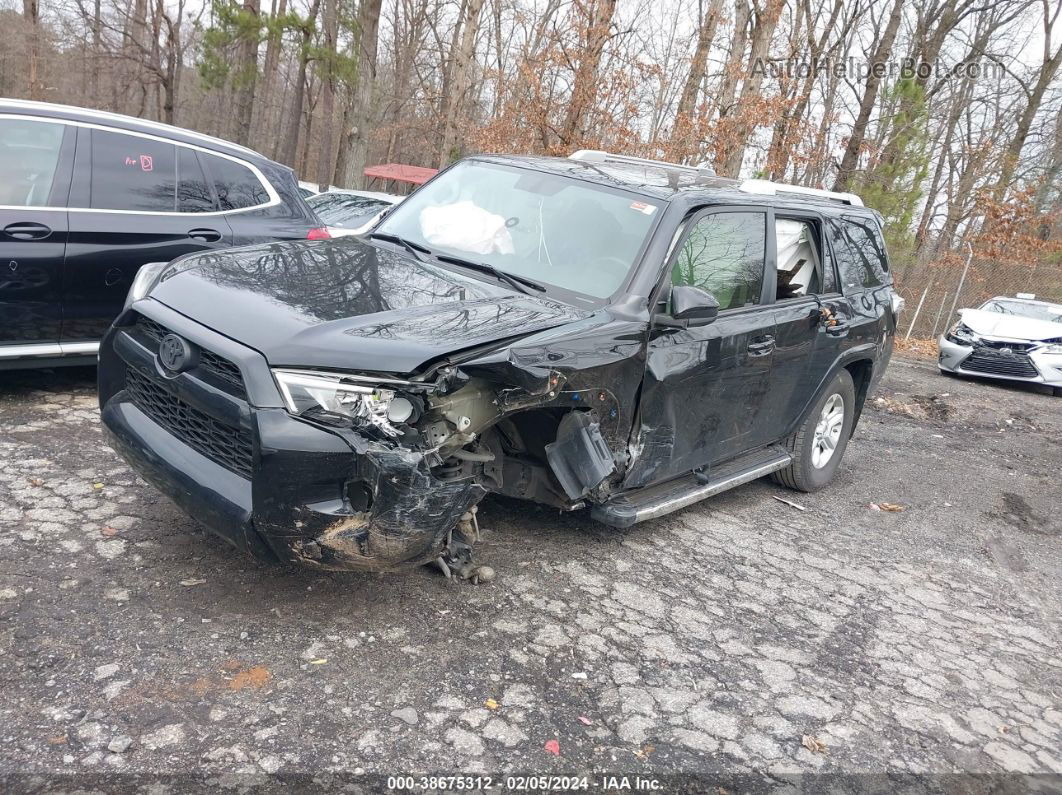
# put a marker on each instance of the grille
(986, 360)
(150, 329)
(222, 369)
(230, 447)
(224, 373)
(1014, 346)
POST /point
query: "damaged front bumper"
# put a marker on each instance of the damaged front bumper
(216, 439)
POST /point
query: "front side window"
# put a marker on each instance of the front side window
(724, 254)
(29, 157)
(576, 235)
(236, 185)
(132, 173)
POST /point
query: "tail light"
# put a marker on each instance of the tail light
(318, 233)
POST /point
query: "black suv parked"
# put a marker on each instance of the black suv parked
(87, 198)
(599, 331)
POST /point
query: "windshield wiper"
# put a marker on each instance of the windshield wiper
(418, 251)
(518, 283)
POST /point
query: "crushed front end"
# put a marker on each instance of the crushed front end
(217, 434)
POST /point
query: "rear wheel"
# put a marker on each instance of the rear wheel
(820, 442)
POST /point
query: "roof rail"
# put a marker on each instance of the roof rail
(599, 156)
(765, 187)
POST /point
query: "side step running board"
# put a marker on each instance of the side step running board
(631, 507)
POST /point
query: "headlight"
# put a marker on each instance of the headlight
(898, 303)
(962, 334)
(350, 397)
(146, 278)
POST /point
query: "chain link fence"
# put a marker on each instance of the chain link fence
(936, 290)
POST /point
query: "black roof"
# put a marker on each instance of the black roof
(658, 181)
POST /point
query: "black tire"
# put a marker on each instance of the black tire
(1057, 390)
(803, 474)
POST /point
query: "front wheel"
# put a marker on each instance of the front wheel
(820, 442)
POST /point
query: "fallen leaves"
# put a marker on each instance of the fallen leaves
(585, 720)
(190, 583)
(552, 747)
(35, 482)
(490, 703)
(97, 486)
(319, 661)
(644, 752)
(109, 531)
(813, 744)
(889, 507)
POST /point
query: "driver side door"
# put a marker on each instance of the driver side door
(705, 387)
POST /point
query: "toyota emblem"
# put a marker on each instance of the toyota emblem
(175, 353)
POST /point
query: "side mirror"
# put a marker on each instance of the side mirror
(693, 305)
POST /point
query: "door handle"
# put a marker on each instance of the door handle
(839, 329)
(27, 230)
(761, 346)
(205, 235)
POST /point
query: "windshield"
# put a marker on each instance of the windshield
(346, 210)
(553, 230)
(1052, 313)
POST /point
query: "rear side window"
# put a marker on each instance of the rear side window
(132, 173)
(29, 157)
(236, 185)
(193, 190)
(724, 254)
(799, 271)
(860, 252)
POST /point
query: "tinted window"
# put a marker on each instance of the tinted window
(29, 156)
(236, 185)
(859, 251)
(724, 255)
(193, 190)
(799, 271)
(132, 173)
(346, 210)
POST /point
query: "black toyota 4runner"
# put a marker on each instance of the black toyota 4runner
(596, 332)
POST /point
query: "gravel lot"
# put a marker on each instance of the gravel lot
(740, 636)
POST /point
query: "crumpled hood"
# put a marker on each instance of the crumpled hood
(349, 305)
(997, 324)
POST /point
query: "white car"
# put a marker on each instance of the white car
(1018, 339)
(351, 212)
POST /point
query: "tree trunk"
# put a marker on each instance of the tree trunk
(246, 72)
(584, 86)
(328, 91)
(354, 150)
(745, 121)
(870, 96)
(31, 13)
(265, 88)
(461, 61)
(291, 139)
(679, 147)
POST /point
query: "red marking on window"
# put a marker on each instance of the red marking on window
(130, 161)
(146, 163)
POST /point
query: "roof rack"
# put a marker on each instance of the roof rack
(765, 187)
(599, 156)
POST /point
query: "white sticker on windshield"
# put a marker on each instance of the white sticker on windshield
(642, 207)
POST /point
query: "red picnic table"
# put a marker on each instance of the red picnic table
(400, 172)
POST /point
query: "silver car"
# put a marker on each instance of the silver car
(1019, 339)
